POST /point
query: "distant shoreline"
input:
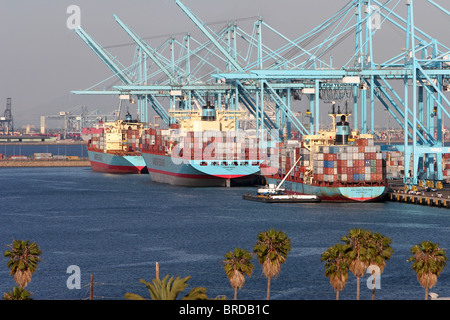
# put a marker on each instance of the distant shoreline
(43, 143)
(44, 163)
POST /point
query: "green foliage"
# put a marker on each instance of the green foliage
(359, 249)
(17, 294)
(272, 246)
(23, 260)
(428, 257)
(23, 256)
(238, 260)
(169, 289)
(336, 267)
(237, 264)
(428, 261)
(336, 262)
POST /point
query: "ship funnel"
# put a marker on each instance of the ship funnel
(208, 112)
(342, 130)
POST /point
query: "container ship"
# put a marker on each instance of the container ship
(202, 149)
(114, 147)
(336, 165)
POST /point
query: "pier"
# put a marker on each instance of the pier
(422, 196)
(44, 163)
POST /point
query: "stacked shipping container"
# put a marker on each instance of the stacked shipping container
(97, 140)
(115, 139)
(201, 145)
(362, 162)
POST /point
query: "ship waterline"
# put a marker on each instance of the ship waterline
(363, 193)
(194, 173)
(115, 163)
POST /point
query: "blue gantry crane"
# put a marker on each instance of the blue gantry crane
(237, 69)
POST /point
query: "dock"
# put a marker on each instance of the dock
(432, 200)
(421, 196)
(44, 163)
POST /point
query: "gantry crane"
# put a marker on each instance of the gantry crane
(6, 121)
(237, 69)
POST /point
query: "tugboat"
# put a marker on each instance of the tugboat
(272, 193)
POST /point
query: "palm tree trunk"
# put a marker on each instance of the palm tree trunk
(337, 294)
(357, 288)
(268, 288)
(373, 286)
(235, 293)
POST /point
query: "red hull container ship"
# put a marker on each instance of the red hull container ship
(202, 149)
(114, 148)
(333, 165)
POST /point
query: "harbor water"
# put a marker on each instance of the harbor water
(116, 227)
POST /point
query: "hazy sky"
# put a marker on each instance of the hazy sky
(42, 60)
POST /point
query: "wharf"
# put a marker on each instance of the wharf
(44, 163)
(432, 198)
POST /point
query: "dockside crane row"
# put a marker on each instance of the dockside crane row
(263, 81)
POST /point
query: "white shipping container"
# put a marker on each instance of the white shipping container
(304, 151)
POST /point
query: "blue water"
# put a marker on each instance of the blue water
(117, 227)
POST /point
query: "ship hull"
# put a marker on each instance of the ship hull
(349, 193)
(163, 169)
(112, 163)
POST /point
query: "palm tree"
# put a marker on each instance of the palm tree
(336, 267)
(272, 248)
(358, 253)
(169, 289)
(23, 260)
(17, 294)
(381, 251)
(237, 265)
(429, 261)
